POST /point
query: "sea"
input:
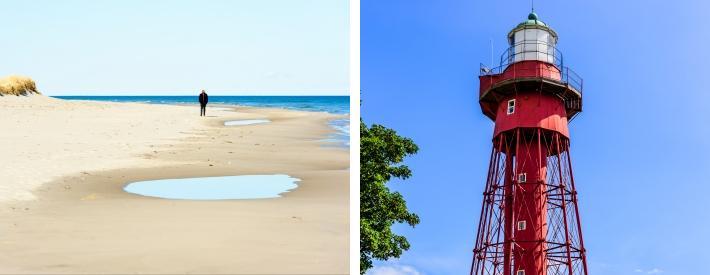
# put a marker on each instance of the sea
(329, 104)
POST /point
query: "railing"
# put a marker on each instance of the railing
(536, 50)
(571, 78)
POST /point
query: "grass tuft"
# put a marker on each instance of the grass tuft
(17, 85)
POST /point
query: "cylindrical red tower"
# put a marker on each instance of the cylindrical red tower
(529, 223)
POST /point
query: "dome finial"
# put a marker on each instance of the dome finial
(532, 16)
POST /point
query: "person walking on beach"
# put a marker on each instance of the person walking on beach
(203, 103)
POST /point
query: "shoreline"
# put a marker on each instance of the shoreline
(214, 101)
(85, 222)
(331, 139)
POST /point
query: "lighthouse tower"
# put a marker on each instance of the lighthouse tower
(529, 223)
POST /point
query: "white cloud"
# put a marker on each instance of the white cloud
(394, 270)
(650, 271)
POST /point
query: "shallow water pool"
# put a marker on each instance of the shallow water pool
(216, 188)
(245, 122)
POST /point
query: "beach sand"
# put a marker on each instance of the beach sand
(64, 165)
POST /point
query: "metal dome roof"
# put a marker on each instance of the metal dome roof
(532, 23)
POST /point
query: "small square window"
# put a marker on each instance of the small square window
(522, 177)
(522, 225)
(511, 106)
(520, 272)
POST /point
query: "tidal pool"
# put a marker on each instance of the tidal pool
(245, 122)
(216, 188)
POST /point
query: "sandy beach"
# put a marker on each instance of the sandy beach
(64, 164)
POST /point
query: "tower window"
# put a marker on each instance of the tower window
(520, 272)
(522, 177)
(511, 106)
(522, 225)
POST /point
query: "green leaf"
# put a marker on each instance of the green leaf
(381, 154)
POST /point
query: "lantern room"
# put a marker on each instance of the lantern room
(532, 40)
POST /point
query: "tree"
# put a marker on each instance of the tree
(381, 154)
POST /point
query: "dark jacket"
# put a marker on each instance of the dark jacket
(203, 99)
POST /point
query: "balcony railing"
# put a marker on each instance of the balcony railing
(536, 50)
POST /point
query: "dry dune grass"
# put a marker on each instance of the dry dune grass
(17, 85)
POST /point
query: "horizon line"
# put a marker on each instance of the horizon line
(196, 95)
(181, 93)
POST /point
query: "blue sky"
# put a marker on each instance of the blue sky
(177, 47)
(640, 148)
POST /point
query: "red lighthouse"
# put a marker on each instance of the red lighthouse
(529, 223)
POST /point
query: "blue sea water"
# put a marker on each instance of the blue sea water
(330, 104)
(342, 136)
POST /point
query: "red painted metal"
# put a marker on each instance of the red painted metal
(530, 216)
(532, 110)
(528, 75)
(522, 69)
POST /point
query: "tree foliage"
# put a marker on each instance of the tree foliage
(381, 154)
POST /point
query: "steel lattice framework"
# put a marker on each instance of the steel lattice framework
(563, 248)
